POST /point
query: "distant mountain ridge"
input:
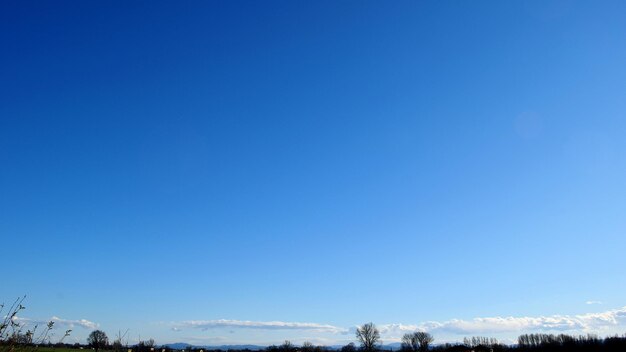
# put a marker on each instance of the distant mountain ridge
(180, 346)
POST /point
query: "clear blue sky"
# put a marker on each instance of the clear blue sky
(316, 162)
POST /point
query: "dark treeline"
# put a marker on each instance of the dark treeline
(411, 343)
(15, 337)
(540, 343)
(525, 343)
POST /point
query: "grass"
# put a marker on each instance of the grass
(66, 349)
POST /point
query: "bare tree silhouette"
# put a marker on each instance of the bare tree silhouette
(368, 336)
(416, 341)
(98, 339)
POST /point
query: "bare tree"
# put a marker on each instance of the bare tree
(409, 342)
(476, 341)
(97, 339)
(307, 347)
(349, 347)
(424, 340)
(286, 346)
(368, 336)
(118, 343)
(416, 341)
(12, 329)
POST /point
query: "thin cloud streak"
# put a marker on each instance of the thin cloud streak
(262, 325)
(498, 325)
(591, 322)
(66, 323)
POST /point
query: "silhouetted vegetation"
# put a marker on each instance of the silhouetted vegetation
(423, 342)
(14, 337)
(540, 343)
(351, 347)
(416, 341)
(98, 340)
(368, 336)
(526, 343)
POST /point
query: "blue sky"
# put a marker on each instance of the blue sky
(249, 172)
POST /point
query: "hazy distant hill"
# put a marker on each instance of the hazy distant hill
(181, 345)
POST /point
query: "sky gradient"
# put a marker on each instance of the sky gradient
(249, 172)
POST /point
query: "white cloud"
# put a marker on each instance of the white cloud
(591, 322)
(264, 325)
(505, 328)
(397, 328)
(593, 302)
(59, 322)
